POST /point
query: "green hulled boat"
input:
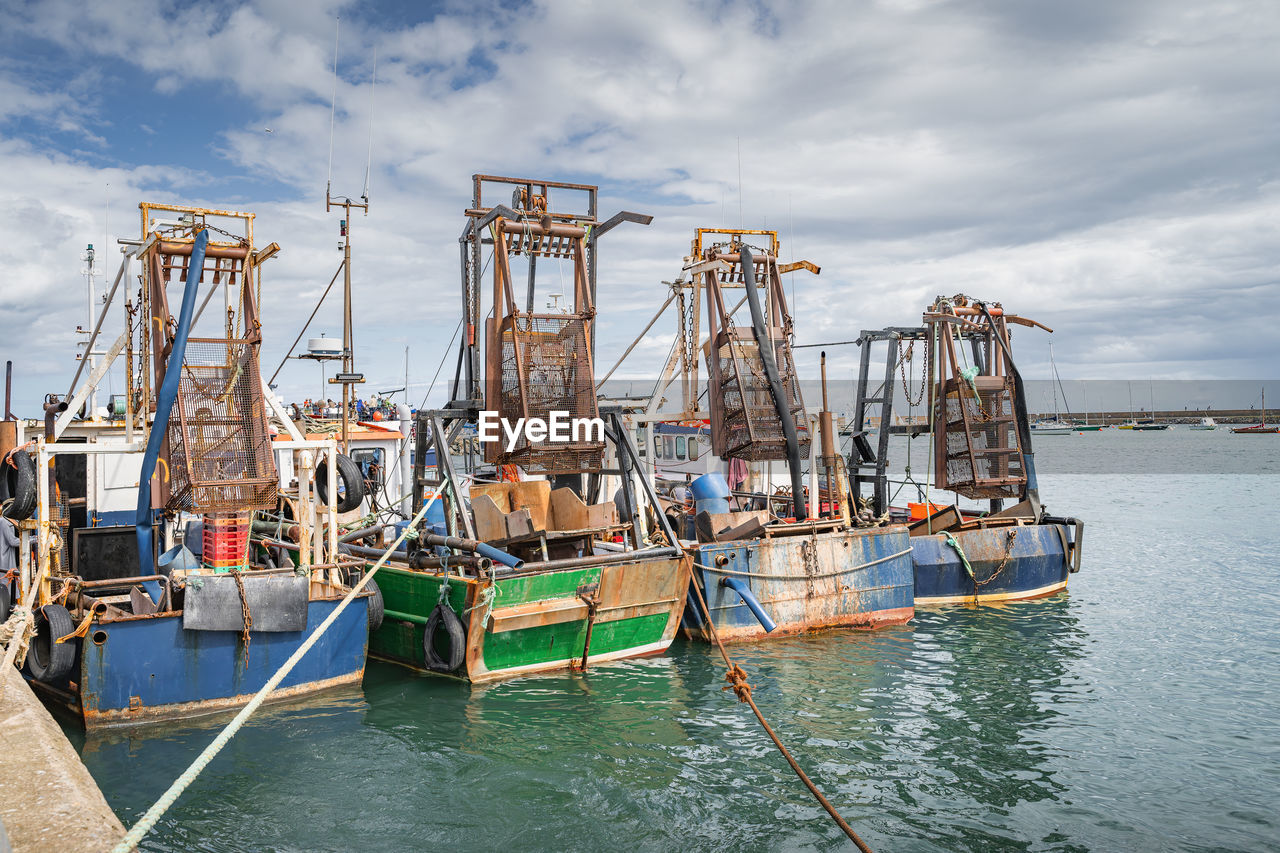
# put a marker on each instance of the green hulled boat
(513, 574)
(541, 617)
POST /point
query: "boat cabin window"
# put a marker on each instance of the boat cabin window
(680, 444)
(657, 446)
(668, 448)
(366, 459)
(693, 449)
(640, 443)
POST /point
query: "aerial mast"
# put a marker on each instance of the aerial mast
(348, 376)
(90, 271)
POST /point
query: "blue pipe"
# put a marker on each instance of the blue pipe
(498, 556)
(749, 599)
(164, 402)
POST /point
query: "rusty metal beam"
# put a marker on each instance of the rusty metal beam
(617, 219)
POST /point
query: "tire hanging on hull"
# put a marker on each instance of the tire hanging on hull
(444, 617)
(49, 660)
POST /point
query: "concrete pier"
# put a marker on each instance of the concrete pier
(48, 800)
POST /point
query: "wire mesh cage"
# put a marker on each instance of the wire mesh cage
(220, 455)
(546, 368)
(979, 455)
(744, 419)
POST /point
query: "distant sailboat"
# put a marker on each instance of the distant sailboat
(1056, 426)
(1144, 426)
(1205, 423)
(1259, 428)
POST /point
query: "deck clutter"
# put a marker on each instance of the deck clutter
(169, 607)
(203, 545)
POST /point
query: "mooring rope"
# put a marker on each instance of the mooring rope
(737, 679)
(169, 797)
(802, 577)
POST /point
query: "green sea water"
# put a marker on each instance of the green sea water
(1138, 711)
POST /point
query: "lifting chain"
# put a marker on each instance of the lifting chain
(924, 377)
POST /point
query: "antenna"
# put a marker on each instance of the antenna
(372, 92)
(740, 182)
(333, 103)
(791, 243)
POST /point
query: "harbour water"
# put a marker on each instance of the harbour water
(1135, 712)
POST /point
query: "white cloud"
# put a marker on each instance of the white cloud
(1108, 169)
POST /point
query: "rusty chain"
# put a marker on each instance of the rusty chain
(244, 609)
(902, 369)
(1011, 535)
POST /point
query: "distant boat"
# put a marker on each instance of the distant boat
(1143, 426)
(1055, 425)
(1085, 427)
(1051, 428)
(1259, 428)
(1205, 423)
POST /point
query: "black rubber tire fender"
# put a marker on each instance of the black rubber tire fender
(50, 661)
(6, 601)
(376, 609)
(18, 485)
(376, 606)
(350, 483)
(444, 617)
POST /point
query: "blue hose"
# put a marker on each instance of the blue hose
(498, 556)
(164, 402)
(749, 599)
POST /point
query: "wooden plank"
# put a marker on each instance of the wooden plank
(535, 496)
(602, 515)
(499, 493)
(518, 523)
(535, 614)
(490, 520)
(939, 522)
(568, 512)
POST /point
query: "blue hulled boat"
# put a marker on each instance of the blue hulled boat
(173, 563)
(975, 549)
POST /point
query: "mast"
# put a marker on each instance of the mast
(1054, 365)
(90, 355)
(348, 355)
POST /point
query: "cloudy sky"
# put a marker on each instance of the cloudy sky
(1108, 168)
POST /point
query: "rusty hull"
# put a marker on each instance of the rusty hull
(136, 669)
(820, 581)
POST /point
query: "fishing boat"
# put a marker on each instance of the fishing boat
(982, 442)
(1261, 427)
(526, 560)
(153, 596)
(775, 551)
(1205, 424)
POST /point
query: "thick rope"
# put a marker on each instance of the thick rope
(802, 577)
(951, 540)
(157, 810)
(742, 689)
